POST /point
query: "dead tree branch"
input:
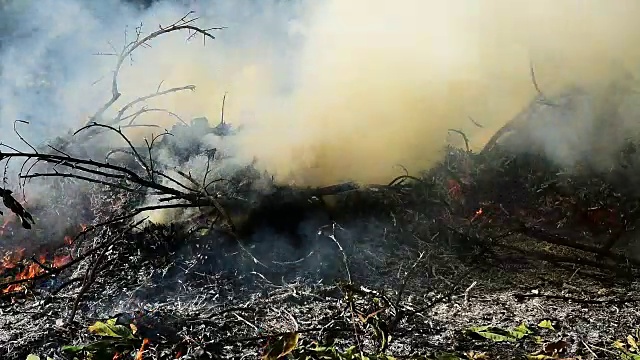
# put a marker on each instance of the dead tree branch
(181, 25)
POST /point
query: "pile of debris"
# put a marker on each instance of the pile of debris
(247, 267)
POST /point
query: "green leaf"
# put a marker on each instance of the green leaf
(632, 343)
(521, 331)
(73, 349)
(33, 357)
(111, 329)
(496, 337)
(546, 324)
(619, 345)
(501, 335)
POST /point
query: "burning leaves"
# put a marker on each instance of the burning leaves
(11, 259)
(29, 270)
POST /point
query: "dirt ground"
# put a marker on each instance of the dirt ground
(194, 298)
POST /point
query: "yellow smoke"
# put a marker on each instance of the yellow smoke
(379, 82)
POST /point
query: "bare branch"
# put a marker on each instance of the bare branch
(541, 97)
(118, 117)
(130, 47)
(119, 132)
(464, 137)
(20, 136)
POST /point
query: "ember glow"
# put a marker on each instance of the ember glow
(16, 259)
(32, 270)
(11, 259)
(139, 355)
(29, 272)
(59, 261)
(477, 214)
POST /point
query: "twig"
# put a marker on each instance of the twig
(130, 47)
(588, 348)
(43, 266)
(466, 292)
(521, 297)
(89, 279)
(224, 97)
(464, 137)
(135, 115)
(121, 112)
(541, 97)
(119, 132)
(20, 136)
(475, 122)
(409, 276)
(80, 258)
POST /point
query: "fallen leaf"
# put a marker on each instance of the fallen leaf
(282, 346)
(546, 324)
(501, 335)
(632, 342)
(110, 329)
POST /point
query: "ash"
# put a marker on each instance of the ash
(419, 256)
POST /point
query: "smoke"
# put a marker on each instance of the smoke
(326, 90)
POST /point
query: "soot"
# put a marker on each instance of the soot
(294, 220)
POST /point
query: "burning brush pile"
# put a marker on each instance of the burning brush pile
(204, 258)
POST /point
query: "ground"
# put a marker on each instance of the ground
(200, 300)
(481, 258)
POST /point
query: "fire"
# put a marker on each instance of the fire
(61, 260)
(116, 356)
(145, 342)
(477, 214)
(10, 260)
(29, 272)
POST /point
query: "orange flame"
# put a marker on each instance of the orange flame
(62, 260)
(477, 214)
(29, 272)
(145, 341)
(10, 260)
